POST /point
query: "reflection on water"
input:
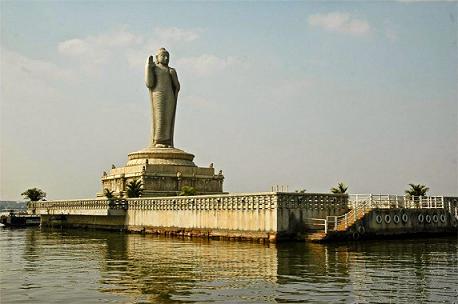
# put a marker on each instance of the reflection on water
(42, 266)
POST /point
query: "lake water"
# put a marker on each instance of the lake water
(71, 266)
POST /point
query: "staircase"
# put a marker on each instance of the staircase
(335, 225)
(347, 220)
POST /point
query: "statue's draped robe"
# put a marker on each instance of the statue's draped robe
(163, 102)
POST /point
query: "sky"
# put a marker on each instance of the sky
(303, 94)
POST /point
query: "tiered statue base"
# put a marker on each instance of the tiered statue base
(163, 172)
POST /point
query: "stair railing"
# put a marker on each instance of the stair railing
(320, 222)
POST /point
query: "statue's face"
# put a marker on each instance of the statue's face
(163, 58)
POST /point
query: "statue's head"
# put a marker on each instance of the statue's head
(162, 56)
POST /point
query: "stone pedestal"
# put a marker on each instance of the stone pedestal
(163, 172)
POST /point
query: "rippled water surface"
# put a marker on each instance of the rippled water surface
(43, 266)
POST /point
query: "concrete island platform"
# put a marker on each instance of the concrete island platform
(267, 216)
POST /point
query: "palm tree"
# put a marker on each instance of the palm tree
(34, 194)
(301, 191)
(188, 191)
(109, 194)
(134, 188)
(340, 189)
(416, 190)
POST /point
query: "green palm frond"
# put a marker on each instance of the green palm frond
(135, 188)
(417, 190)
(340, 189)
(109, 194)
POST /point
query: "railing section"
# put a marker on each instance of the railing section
(387, 201)
(360, 204)
(206, 202)
(198, 202)
(236, 201)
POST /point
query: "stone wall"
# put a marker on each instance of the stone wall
(296, 209)
(269, 215)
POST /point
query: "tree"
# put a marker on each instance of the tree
(134, 188)
(340, 189)
(34, 194)
(416, 190)
(109, 194)
(188, 191)
(301, 191)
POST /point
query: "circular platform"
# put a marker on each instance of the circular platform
(161, 156)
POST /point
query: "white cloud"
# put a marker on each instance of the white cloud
(128, 46)
(174, 34)
(341, 23)
(73, 47)
(98, 49)
(206, 64)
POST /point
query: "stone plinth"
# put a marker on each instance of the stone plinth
(161, 156)
(163, 172)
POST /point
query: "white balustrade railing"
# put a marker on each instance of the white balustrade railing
(198, 202)
(235, 201)
(387, 201)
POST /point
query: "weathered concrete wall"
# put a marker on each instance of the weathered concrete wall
(400, 222)
(234, 212)
(84, 221)
(296, 209)
(247, 215)
(268, 216)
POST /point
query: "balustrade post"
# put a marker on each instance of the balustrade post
(325, 226)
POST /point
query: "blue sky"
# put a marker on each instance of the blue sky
(304, 94)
